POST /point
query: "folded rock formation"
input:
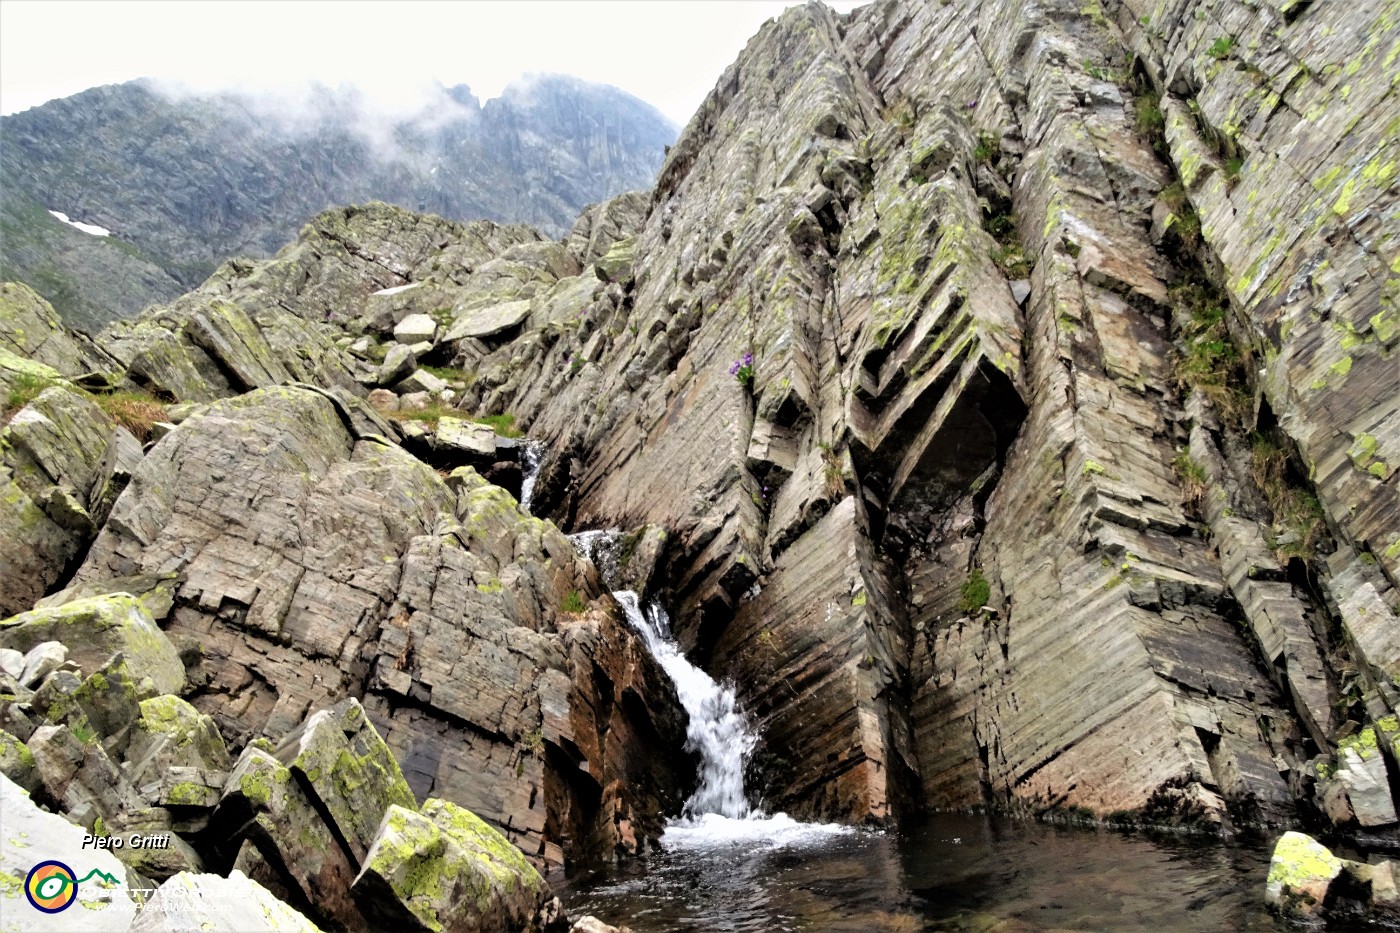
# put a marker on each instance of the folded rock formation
(1002, 395)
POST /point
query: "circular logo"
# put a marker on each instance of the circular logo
(51, 887)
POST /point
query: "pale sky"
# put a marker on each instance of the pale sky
(667, 52)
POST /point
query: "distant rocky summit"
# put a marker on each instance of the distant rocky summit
(1002, 396)
(181, 182)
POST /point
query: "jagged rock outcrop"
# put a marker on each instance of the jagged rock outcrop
(358, 572)
(29, 328)
(326, 822)
(63, 462)
(1008, 417)
(966, 273)
(231, 175)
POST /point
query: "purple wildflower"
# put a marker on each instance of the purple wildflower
(734, 369)
(748, 359)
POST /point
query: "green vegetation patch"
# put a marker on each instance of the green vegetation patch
(975, 592)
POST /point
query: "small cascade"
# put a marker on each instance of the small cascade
(601, 547)
(533, 459)
(717, 731)
(719, 813)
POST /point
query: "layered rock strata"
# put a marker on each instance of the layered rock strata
(1003, 395)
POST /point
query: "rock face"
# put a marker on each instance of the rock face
(1003, 396)
(359, 572)
(229, 179)
(996, 415)
(444, 869)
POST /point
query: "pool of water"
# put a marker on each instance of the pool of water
(948, 873)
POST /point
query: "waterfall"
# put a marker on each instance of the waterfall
(718, 815)
(533, 460)
(717, 731)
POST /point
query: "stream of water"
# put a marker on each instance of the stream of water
(725, 866)
(532, 458)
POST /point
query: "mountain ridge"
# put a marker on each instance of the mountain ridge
(185, 181)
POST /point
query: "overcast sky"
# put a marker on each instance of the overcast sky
(667, 52)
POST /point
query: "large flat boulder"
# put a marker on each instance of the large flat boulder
(445, 870)
(488, 321)
(94, 629)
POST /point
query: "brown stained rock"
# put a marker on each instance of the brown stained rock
(312, 566)
(819, 648)
(540, 711)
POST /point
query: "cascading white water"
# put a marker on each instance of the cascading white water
(718, 814)
(717, 731)
(532, 460)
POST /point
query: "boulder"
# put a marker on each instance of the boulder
(415, 401)
(488, 321)
(32, 835)
(416, 328)
(420, 380)
(384, 400)
(1300, 872)
(93, 629)
(594, 925)
(40, 661)
(285, 838)
(17, 763)
(461, 441)
(172, 736)
(445, 870)
(354, 777)
(216, 904)
(399, 362)
(1360, 778)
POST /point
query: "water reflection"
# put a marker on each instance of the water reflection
(951, 873)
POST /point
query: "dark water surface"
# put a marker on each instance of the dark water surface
(952, 872)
